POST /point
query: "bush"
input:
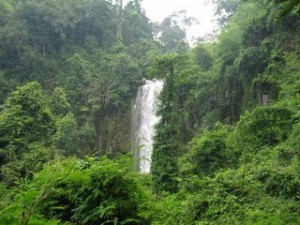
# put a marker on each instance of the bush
(207, 153)
(90, 191)
(264, 127)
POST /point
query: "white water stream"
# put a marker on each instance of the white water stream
(144, 121)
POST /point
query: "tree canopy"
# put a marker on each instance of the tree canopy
(226, 148)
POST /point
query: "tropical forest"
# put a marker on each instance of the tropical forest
(225, 141)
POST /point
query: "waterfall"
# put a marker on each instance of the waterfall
(144, 121)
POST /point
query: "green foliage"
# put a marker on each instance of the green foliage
(207, 153)
(88, 191)
(202, 57)
(135, 23)
(225, 9)
(171, 134)
(171, 209)
(288, 6)
(65, 137)
(283, 183)
(87, 135)
(247, 173)
(293, 139)
(263, 127)
(59, 103)
(26, 126)
(26, 108)
(172, 32)
(5, 87)
(71, 47)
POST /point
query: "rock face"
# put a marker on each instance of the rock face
(144, 121)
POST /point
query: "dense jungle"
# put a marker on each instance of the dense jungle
(226, 150)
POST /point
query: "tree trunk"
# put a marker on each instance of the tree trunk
(120, 21)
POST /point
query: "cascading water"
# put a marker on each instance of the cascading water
(144, 121)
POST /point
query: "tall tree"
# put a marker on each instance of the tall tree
(171, 33)
(26, 128)
(136, 26)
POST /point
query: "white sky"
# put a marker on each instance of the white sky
(157, 10)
